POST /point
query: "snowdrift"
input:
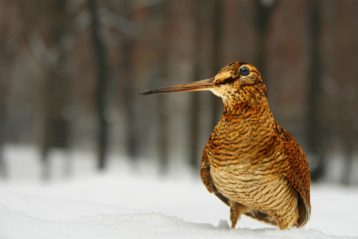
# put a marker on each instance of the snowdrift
(24, 216)
(109, 207)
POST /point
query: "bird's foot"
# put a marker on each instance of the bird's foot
(236, 209)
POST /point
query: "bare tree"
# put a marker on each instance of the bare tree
(194, 98)
(313, 119)
(3, 87)
(8, 45)
(102, 81)
(164, 21)
(45, 32)
(264, 15)
(216, 22)
(127, 47)
(3, 95)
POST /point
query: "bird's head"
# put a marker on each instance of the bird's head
(238, 84)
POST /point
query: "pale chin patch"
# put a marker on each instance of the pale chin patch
(216, 92)
(219, 94)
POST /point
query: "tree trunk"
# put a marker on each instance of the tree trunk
(194, 106)
(264, 15)
(163, 75)
(348, 161)
(101, 87)
(3, 87)
(313, 120)
(128, 85)
(56, 84)
(216, 54)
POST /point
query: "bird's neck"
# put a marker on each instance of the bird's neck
(247, 108)
(246, 101)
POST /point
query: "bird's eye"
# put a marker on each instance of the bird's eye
(244, 71)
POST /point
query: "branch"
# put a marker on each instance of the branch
(129, 28)
(42, 55)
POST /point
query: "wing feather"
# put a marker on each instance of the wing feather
(297, 174)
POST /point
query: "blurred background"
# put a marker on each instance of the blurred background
(71, 71)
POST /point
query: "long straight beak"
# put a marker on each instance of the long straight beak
(202, 85)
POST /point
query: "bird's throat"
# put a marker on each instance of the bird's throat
(246, 108)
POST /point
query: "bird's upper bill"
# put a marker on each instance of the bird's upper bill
(201, 85)
(246, 74)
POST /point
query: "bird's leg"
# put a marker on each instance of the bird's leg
(236, 209)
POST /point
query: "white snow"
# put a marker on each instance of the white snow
(126, 203)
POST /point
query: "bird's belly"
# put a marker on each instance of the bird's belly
(243, 185)
(265, 192)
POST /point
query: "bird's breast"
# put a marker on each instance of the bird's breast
(245, 161)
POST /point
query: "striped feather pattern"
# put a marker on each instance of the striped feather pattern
(250, 160)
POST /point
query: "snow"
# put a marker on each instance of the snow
(125, 202)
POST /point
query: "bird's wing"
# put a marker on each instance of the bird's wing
(207, 180)
(297, 173)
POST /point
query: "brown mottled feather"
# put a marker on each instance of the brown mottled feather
(298, 174)
(250, 162)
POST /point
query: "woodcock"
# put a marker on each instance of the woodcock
(250, 162)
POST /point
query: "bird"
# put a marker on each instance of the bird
(250, 162)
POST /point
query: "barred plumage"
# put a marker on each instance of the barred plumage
(250, 162)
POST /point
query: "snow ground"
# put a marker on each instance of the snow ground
(126, 203)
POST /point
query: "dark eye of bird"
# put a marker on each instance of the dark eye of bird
(244, 71)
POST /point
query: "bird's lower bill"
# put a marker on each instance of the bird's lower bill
(202, 85)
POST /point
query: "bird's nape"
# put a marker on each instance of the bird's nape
(202, 85)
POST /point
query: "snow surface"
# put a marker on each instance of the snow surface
(126, 203)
